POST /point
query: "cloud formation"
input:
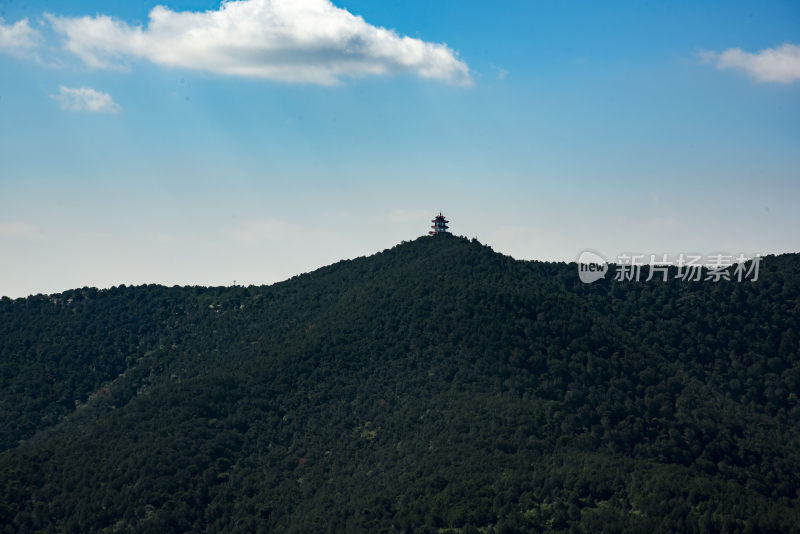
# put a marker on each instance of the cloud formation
(18, 230)
(778, 65)
(305, 41)
(18, 38)
(86, 99)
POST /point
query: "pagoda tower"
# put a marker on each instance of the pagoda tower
(439, 225)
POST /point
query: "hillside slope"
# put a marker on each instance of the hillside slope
(436, 385)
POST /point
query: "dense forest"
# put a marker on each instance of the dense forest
(437, 386)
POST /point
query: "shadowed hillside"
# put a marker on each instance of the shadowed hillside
(437, 386)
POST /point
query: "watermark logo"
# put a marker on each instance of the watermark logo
(591, 266)
(716, 267)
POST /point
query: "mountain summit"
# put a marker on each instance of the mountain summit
(437, 386)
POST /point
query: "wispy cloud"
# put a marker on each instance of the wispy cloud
(86, 99)
(501, 73)
(18, 38)
(778, 65)
(306, 41)
(18, 230)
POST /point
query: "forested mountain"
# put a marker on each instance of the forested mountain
(434, 387)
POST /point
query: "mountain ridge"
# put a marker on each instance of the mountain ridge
(435, 385)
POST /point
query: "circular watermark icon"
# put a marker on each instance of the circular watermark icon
(592, 266)
(716, 267)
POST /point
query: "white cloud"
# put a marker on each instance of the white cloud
(18, 230)
(306, 41)
(780, 65)
(18, 38)
(85, 99)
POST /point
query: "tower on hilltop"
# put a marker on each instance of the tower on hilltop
(439, 225)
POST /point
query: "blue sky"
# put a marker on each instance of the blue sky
(135, 150)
